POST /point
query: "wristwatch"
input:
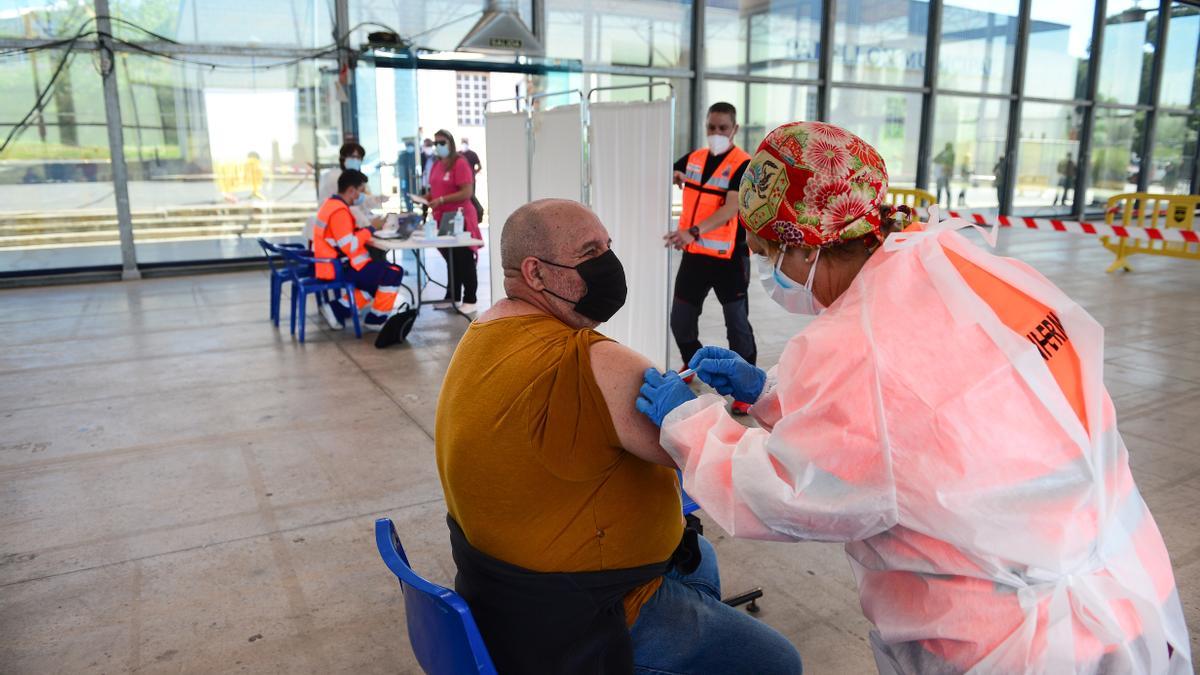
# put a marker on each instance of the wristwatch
(694, 231)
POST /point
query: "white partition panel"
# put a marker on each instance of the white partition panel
(629, 151)
(506, 184)
(630, 156)
(558, 153)
(557, 168)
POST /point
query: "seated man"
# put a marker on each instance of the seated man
(563, 509)
(337, 234)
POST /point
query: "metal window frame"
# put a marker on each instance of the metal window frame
(825, 62)
(116, 142)
(1012, 141)
(1088, 126)
(933, 47)
(697, 93)
(1146, 163)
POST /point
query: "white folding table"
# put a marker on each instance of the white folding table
(417, 244)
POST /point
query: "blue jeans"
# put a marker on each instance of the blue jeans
(685, 629)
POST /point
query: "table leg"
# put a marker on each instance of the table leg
(450, 273)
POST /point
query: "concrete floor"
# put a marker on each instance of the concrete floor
(185, 489)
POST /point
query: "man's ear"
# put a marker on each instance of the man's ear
(736, 129)
(531, 272)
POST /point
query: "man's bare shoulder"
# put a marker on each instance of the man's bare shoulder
(614, 362)
(611, 349)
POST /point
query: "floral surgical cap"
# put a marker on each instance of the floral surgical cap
(813, 184)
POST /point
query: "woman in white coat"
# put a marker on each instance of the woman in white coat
(945, 417)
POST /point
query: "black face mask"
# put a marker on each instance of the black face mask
(606, 289)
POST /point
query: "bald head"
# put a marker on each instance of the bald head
(540, 246)
(549, 229)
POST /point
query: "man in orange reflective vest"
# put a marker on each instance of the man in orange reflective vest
(715, 255)
(338, 235)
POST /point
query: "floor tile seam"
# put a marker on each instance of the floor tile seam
(110, 336)
(146, 448)
(162, 392)
(138, 359)
(157, 529)
(125, 310)
(1142, 437)
(384, 390)
(293, 590)
(1151, 371)
(125, 289)
(236, 540)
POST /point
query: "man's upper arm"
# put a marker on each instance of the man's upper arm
(618, 371)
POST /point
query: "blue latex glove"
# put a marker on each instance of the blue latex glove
(729, 373)
(660, 394)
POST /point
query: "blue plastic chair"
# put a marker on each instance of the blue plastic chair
(689, 505)
(281, 272)
(441, 629)
(304, 286)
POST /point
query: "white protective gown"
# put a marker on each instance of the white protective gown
(989, 531)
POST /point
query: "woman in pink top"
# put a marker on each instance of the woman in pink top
(451, 186)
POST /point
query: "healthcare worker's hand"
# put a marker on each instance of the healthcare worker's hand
(660, 394)
(728, 373)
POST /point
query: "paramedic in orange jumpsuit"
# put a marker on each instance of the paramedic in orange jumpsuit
(337, 234)
(945, 416)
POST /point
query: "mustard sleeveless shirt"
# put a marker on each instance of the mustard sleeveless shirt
(531, 465)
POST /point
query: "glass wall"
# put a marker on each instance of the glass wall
(1130, 36)
(1181, 62)
(651, 33)
(230, 108)
(1060, 40)
(978, 46)
(1174, 152)
(1178, 124)
(968, 144)
(774, 39)
(55, 175)
(437, 25)
(206, 179)
(880, 42)
(45, 18)
(1116, 151)
(762, 106)
(261, 23)
(1047, 159)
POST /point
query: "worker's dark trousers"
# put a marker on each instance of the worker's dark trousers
(698, 274)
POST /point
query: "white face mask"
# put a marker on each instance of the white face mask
(718, 144)
(789, 294)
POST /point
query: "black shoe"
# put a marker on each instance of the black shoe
(396, 328)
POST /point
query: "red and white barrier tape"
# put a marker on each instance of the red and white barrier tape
(1082, 227)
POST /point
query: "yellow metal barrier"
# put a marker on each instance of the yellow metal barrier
(1144, 209)
(912, 197)
(234, 177)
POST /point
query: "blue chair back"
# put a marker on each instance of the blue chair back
(302, 265)
(274, 255)
(442, 631)
(689, 505)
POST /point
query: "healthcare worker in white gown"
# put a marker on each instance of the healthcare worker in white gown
(944, 416)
